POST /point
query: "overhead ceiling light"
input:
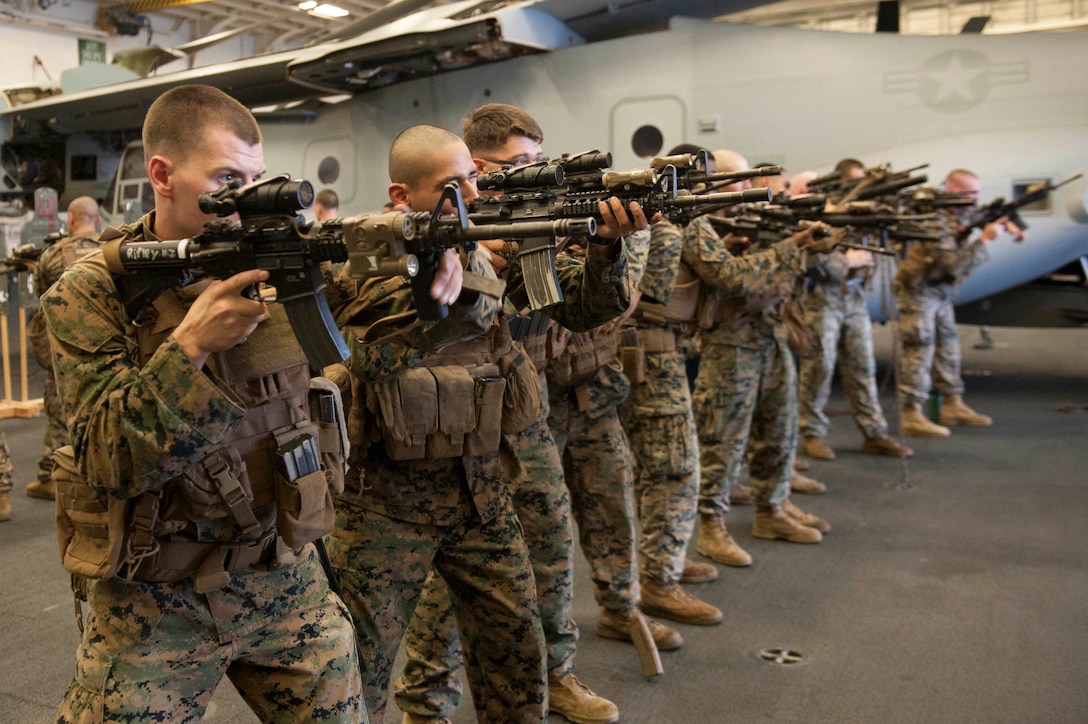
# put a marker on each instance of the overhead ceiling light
(329, 11)
(308, 5)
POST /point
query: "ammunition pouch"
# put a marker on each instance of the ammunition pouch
(546, 342)
(459, 401)
(442, 412)
(521, 401)
(636, 343)
(304, 508)
(632, 356)
(89, 526)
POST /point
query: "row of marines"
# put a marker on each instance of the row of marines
(196, 498)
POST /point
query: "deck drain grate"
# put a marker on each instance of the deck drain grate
(778, 655)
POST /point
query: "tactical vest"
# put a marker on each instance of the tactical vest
(718, 310)
(542, 337)
(70, 249)
(459, 401)
(687, 295)
(252, 499)
(584, 354)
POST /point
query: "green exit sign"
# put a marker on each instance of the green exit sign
(91, 51)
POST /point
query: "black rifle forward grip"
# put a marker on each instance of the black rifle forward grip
(429, 309)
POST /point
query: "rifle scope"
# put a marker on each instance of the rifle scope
(535, 175)
(277, 195)
(585, 162)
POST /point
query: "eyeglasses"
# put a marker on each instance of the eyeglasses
(516, 160)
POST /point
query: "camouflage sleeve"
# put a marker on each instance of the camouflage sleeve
(133, 428)
(384, 334)
(830, 268)
(760, 273)
(662, 262)
(595, 291)
(638, 249)
(48, 269)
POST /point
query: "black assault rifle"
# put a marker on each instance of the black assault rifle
(271, 235)
(409, 244)
(865, 217)
(25, 254)
(545, 191)
(878, 182)
(999, 208)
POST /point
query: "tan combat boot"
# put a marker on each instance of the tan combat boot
(696, 572)
(775, 523)
(572, 699)
(410, 718)
(812, 521)
(741, 495)
(955, 412)
(666, 599)
(813, 446)
(45, 491)
(801, 463)
(5, 507)
(716, 544)
(804, 484)
(916, 424)
(881, 444)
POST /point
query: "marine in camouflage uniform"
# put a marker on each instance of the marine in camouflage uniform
(428, 687)
(745, 396)
(181, 523)
(587, 386)
(454, 513)
(51, 264)
(660, 426)
(836, 311)
(596, 461)
(925, 286)
(160, 635)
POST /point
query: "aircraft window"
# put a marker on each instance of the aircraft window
(129, 192)
(1042, 206)
(647, 141)
(84, 168)
(133, 164)
(328, 171)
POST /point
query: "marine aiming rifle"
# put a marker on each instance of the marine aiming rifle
(22, 256)
(410, 244)
(573, 187)
(1000, 209)
(270, 234)
(692, 171)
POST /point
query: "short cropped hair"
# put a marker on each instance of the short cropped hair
(686, 148)
(177, 120)
(849, 164)
(410, 154)
(960, 172)
(328, 199)
(490, 126)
